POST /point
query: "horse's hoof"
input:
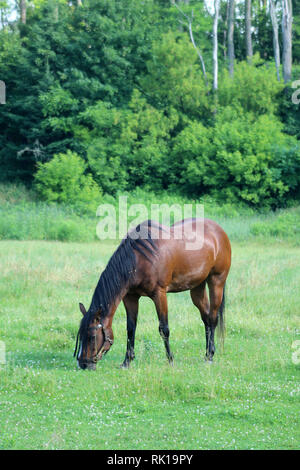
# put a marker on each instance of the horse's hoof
(124, 365)
(171, 361)
(208, 360)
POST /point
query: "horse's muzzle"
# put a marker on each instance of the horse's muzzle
(91, 365)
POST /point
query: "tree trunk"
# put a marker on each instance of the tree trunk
(287, 20)
(225, 33)
(23, 7)
(79, 3)
(56, 12)
(249, 49)
(198, 52)
(230, 36)
(190, 21)
(275, 38)
(215, 44)
(2, 17)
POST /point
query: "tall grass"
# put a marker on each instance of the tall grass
(23, 217)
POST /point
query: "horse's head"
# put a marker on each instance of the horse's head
(92, 342)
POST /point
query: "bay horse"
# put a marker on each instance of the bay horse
(151, 261)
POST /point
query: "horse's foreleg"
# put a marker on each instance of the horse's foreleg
(161, 304)
(131, 303)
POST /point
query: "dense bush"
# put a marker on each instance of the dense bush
(254, 88)
(63, 179)
(236, 158)
(128, 147)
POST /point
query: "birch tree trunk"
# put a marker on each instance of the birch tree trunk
(215, 44)
(56, 13)
(249, 49)
(198, 52)
(287, 20)
(225, 33)
(3, 17)
(23, 8)
(275, 38)
(230, 36)
(189, 25)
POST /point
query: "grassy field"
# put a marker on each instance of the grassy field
(247, 399)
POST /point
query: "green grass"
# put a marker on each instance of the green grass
(248, 399)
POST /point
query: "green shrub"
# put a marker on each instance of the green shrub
(235, 160)
(129, 147)
(63, 180)
(287, 162)
(175, 78)
(254, 87)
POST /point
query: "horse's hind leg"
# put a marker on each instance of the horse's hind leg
(161, 304)
(200, 300)
(216, 283)
(131, 303)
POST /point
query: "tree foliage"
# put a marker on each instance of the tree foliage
(118, 89)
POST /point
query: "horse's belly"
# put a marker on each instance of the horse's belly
(183, 281)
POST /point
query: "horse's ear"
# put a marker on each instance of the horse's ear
(82, 308)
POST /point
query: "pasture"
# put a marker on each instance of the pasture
(247, 399)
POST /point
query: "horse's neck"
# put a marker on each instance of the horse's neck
(109, 308)
(112, 308)
(110, 290)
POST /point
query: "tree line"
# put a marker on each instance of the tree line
(187, 96)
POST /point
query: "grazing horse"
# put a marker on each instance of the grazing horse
(151, 261)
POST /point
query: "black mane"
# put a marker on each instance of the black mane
(118, 274)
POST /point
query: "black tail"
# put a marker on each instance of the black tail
(221, 319)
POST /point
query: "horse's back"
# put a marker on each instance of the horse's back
(196, 248)
(202, 235)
